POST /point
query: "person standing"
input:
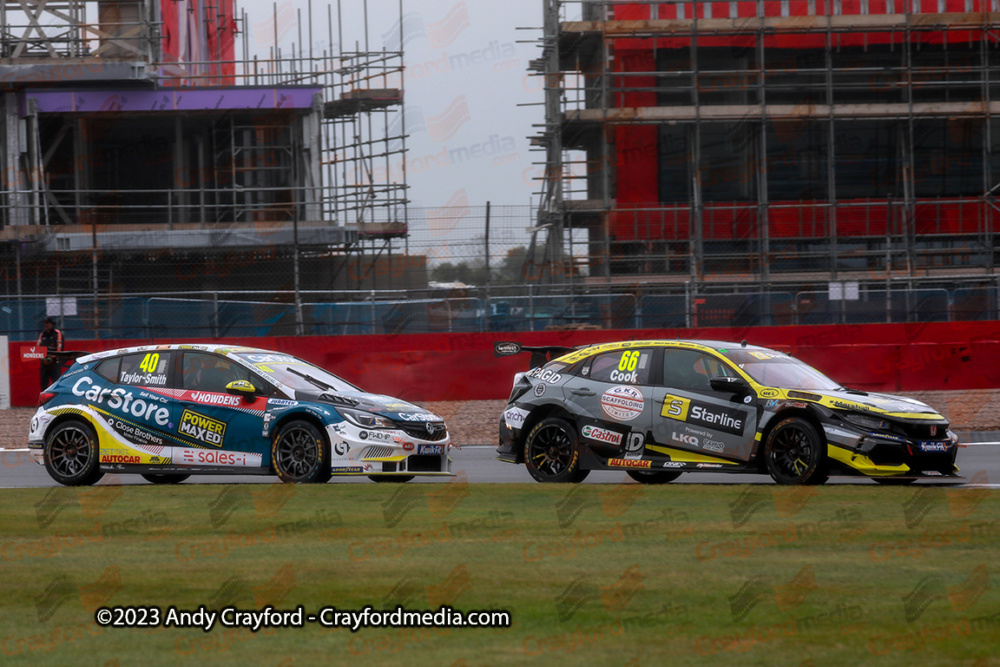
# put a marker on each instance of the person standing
(51, 339)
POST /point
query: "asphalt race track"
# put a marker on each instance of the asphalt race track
(479, 465)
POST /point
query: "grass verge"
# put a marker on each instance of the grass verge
(592, 574)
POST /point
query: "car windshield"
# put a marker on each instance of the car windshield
(774, 369)
(295, 373)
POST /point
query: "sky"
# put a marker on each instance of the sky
(465, 79)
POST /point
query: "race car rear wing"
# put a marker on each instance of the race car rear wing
(540, 355)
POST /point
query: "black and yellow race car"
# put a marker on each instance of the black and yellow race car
(659, 408)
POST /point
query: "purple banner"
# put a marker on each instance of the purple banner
(190, 99)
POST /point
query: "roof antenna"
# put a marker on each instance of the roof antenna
(744, 343)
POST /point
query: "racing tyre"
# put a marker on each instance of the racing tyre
(71, 454)
(795, 454)
(551, 453)
(653, 477)
(300, 455)
(894, 481)
(165, 478)
(390, 479)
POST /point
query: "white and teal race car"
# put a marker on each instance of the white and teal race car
(169, 411)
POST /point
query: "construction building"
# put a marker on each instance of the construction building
(759, 141)
(148, 145)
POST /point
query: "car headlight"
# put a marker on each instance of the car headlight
(867, 421)
(365, 419)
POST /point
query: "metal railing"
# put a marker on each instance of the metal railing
(218, 315)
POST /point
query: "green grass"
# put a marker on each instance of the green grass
(591, 574)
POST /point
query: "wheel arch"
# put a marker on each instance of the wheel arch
(298, 415)
(803, 413)
(78, 415)
(538, 414)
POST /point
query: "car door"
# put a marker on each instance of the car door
(614, 390)
(691, 416)
(140, 410)
(220, 428)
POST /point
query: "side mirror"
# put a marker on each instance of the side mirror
(242, 388)
(730, 385)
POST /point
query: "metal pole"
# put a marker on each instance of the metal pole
(93, 262)
(531, 307)
(215, 314)
(487, 243)
(762, 196)
(831, 175)
(299, 323)
(20, 293)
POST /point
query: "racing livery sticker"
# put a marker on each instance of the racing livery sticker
(685, 439)
(713, 446)
(120, 399)
(211, 398)
(108, 457)
(217, 458)
(634, 445)
(384, 436)
(134, 433)
(623, 403)
(201, 428)
(717, 417)
(418, 417)
(601, 434)
(545, 375)
(627, 463)
(626, 371)
(514, 417)
(152, 370)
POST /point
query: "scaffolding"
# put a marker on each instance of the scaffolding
(771, 140)
(366, 121)
(194, 140)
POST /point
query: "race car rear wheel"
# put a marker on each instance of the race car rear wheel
(71, 454)
(795, 454)
(653, 477)
(390, 479)
(165, 477)
(551, 452)
(300, 455)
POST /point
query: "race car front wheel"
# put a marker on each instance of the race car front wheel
(71, 455)
(165, 478)
(795, 454)
(300, 455)
(551, 453)
(653, 477)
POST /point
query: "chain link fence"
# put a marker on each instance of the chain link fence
(461, 268)
(513, 308)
